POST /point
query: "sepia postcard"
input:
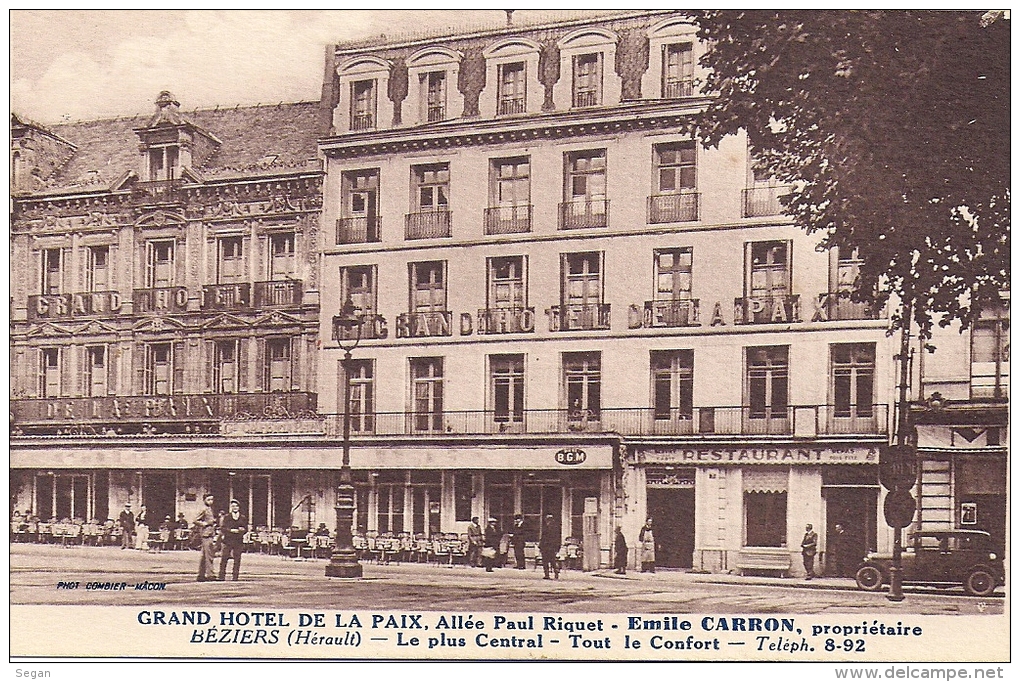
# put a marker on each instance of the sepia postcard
(447, 335)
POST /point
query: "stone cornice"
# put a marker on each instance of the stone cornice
(638, 115)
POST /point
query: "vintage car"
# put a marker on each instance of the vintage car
(961, 557)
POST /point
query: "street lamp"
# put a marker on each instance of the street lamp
(343, 563)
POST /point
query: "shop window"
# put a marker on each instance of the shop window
(577, 497)
(537, 500)
(426, 502)
(765, 519)
(499, 495)
(62, 496)
(390, 506)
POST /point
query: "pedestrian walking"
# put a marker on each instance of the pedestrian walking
(549, 546)
(205, 526)
(232, 529)
(647, 539)
(517, 540)
(490, 541)
(142, 529)
(474, 533)
(127, 527)
(620, 552)
(808, 547)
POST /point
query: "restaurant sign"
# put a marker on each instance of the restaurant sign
(723, 456)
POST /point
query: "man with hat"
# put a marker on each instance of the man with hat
(205, 526)
(490, 542)
(127, 527)
(232, 529)
(517, 541)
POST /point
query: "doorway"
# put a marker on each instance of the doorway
(672, 512)
(855, 510)
(159, 493)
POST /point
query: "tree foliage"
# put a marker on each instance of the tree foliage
(893, 127)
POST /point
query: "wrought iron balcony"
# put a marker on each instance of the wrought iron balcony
(678, 87)
(581, 213)
(508, 219)
(763, 201)
(673, 208)
(512, 105)
(807, 421)
(586, 98)
(678, 313)
(279, 293)
(573, 316)
(767, 309)
(362, 122)
(226, 296)
(436, 112)
(427, 225)
(158, 190)
(358, 230)
(506, 320)
(160, 300)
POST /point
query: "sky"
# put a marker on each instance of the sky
(76, 65)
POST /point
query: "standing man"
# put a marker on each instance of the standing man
(205, 526)
(491, 545)
(142, 529)
(127, 527)
(232, 530)
(620, 552)
(647, 539)
(474, 533)
(808, 547)
(517, 541)
(834, 551)
(549, 545)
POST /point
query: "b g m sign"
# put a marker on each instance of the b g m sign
(570, 456)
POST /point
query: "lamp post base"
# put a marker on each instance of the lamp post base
(341, 566)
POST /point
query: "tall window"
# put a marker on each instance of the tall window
(51, 272)
(282, 262)
(673, 274)
(769, 268)
(431, 186)
(428, 286)
(359, 222)
(362, 396)
(507, 287)
(582, 377)
(588, 80)
(678, 70)
(989, 358)
(225, 367)
(675, 183)
(231, 260)
(512, 84)
(853, 379)
(585, 192)
(510, 196)
(433, 89)
(49, 373)
(159, 264)
(278, 365)
(159, 369)
(390, 501)
(358, 283)
(98, 274)
(507, 386)
(582, 285)
(768, 382)
(363, 105)
(427, 393)
(672, 384)
(163, 163)
(95, 371)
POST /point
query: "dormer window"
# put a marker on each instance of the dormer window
(434, 91)
(512, 89)
(588, 78)
(512, 86)
(163, 162)
(673, 50)
(432, 95)
(363, 111)
(171, 143)
(677, 70)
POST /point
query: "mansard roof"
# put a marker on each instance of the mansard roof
(255, 141)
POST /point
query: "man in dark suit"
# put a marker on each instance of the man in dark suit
(549, 546)
(808, 547)
(127, 527)
(232, 530)
(517, 541)
(205, 526)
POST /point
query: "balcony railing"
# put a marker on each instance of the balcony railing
(84, 304)
(508, 219)
(763, 201)
(280, 293)
(678, 88)
(840, 307)
(673, 208)
(358, 229)
(574, 316)
(806, 421)
(767, 309)
(679, 313)
(506, 320)
(226, 296)
(427, 225)
(160, 300)
(157, 190)
(436, 112)
(586, 98)
(582, 213)
(111, 411)
(362, 122)
(512, 105)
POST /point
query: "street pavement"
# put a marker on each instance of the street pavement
(279, 582)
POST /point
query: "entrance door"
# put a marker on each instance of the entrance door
(855, 511)
(672, 512)
(159, 493)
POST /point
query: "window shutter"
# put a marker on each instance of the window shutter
(789, 266)
(295, 363)
(178, 362)
(112, 353)
(78, 373)
(242, 365)
(66, 382)
(747, 268)
(40, 374)
(208, 358)
(261, 365)
(141, 368)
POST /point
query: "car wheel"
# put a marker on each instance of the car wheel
(869, 578)
(980, 583)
